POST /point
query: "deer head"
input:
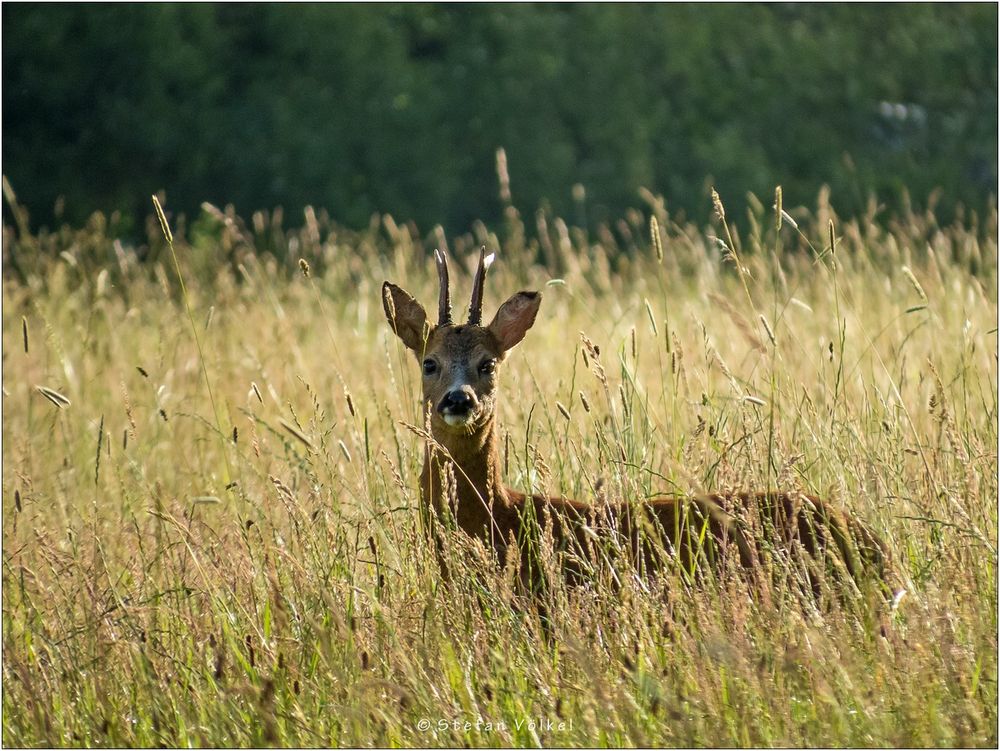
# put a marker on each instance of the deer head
(459, 361)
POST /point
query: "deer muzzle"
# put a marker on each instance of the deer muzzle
(457, 406)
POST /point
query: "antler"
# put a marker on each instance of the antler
(444, 299)
(476, 306)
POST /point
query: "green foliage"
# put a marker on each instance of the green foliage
(401, 108)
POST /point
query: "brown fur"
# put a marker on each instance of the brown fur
(742, 527)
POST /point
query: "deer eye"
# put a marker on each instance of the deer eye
(430, 367)
(487, 366)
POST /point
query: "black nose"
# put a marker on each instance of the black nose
(456, 403)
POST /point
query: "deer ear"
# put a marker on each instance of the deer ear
(405, 315)
(514, 318)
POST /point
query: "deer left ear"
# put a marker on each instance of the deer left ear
(405, 315)
(514, 318)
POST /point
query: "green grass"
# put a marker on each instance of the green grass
(170, 582)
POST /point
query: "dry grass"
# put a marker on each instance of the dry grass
(264, 579)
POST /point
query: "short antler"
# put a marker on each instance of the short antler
(476, 306)
(444, 299)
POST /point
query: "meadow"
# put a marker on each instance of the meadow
(211, 532)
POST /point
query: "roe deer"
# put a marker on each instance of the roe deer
(460, 364)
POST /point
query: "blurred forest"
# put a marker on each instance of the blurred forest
(401, 108)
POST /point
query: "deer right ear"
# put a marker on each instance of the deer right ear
(405, 315)
(514, 318)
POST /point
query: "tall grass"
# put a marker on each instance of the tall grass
(151, 597)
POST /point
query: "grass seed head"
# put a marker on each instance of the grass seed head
(345, 452)
(767, 328)
(654, 233)
(779, 212)
(914, 283)
(164, 226)
(298, 434)
(649, 313)
(53, 396)
(720, 210)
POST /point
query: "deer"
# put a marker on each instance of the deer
(462, 478)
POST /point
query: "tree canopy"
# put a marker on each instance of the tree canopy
(401, 108)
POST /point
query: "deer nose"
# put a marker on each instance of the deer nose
(457, 402)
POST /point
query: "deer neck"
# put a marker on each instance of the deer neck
(477, 471)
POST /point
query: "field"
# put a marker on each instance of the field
(211, 532)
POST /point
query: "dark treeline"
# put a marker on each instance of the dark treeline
(363, 108)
